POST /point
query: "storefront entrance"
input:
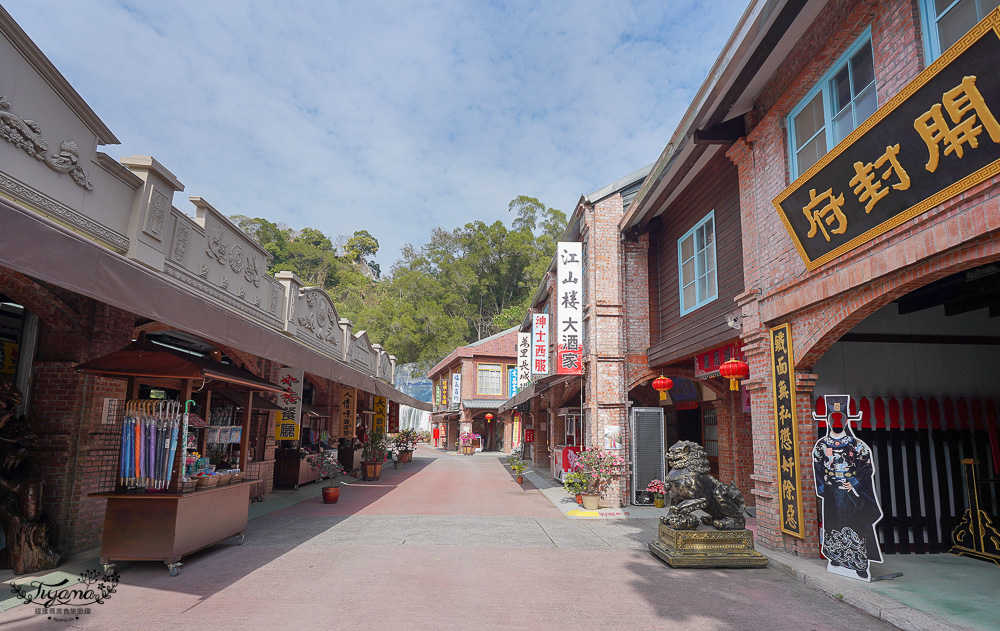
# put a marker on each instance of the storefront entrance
(920, 373)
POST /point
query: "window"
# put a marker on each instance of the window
(696, 261)
(489, 379)
(946, 21)
(840, 102)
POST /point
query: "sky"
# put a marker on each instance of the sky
(391, 117)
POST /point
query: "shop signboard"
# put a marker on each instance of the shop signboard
(511, 381)
(540, 344)
(936, 138)
(569, 307)
(786, 431)
(707, 364)
(529, 435)
(515, 428)
(612, 436)
(8, 358)
(285, 429)
(393, 417)
(523, 360)
(348, 411)
(290, 401)
(381, 409)
(456, 389)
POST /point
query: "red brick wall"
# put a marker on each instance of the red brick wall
(824, 304)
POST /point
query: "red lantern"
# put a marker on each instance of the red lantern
(489, 417)
(734, 370)
(662, 384)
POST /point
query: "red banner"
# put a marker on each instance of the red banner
(529, 435)
(707, 364)
(393, 417)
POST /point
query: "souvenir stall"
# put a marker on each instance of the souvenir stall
(564, 454)
(159, 507)
(260, 449)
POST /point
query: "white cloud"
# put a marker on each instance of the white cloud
(395, 117)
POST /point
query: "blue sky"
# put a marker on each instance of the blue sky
(395, 117)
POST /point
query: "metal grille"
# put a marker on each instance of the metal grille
(647, 448)
(107, 446)
(710, 432)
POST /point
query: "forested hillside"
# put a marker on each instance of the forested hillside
(463, 285)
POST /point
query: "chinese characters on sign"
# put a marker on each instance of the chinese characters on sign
(569, 308)
(444, 391)
(540, 344)
(707, 364)
(523, 360)
(932, 141)
(529, 435)
(381, 410)
(290, 401)
(456, 389)
(393, 417)
(285, 429)
(786, 432)
(348, 410)
(8, 358)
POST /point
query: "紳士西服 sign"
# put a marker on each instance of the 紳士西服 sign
(936, 138)
(540, 344)
(569, 309)
(786, 431)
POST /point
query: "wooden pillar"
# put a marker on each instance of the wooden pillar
(245, 431)
(203, 434)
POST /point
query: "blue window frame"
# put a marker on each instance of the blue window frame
(696, 270)
(944, 22)
(836, 105)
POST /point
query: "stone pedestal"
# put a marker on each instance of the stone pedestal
(707, 547)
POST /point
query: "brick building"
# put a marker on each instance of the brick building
(471, 383)
(870, 234)
(93, 253)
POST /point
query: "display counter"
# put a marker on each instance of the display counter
(167, 526)
(292, 469)
(263, 471)
(350, 458)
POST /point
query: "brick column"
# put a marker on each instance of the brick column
(735, 444)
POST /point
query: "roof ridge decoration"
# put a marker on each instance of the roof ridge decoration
(26, 135)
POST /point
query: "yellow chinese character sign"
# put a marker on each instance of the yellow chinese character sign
(381, 414)
(786, 431)
(348, 410)
(285, 428)
(936, 138)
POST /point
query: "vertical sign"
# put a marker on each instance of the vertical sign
(456, 389)
(523, 360)
(348, 410)
(393, 417)
(515, 430)
(540, 344)
(291, 403)
(444, 391)
(381, 409)
(786, 431)
(569, 325)
(511, 381)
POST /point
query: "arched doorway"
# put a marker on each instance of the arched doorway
(920, 371)
(489, 429)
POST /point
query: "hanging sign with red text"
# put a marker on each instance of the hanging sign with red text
(569, 309)
(540, 344)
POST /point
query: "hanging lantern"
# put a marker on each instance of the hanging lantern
(662, 384)
(734, 370)
(489, 417)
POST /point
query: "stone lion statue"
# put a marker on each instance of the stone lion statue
(692, 488)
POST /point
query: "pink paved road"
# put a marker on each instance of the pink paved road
(448, 542)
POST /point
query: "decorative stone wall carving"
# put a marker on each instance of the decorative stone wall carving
(159, 206)
(182, 236)
(27, 135)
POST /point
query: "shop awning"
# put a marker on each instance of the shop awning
(517, 399)
(143, 358)
(42, 249)
(312, 410)
(258, 402)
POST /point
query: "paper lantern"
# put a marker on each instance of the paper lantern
(662, 384)
(734, 370)
(489, 417)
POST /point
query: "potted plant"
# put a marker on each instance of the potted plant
(373, 455)
(465, 440)
(599, 467)
(518, 469)
(575, 483)
(327, 465)
(406, 441)
(659, 492)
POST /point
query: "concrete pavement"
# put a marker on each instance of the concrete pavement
(447, 542)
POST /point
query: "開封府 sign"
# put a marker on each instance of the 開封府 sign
(540, 344)
(569, 309)
(786, 432)
(936, 138)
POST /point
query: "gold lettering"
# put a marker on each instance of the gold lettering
(829, 213)
(785, 437)
(868, 188)
(958, 102)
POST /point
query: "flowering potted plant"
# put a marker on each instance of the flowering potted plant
(465, 441)
(599, 467)
(406, 441)
(327, 465)
(659, 492)
(575, 483)
(373, 455)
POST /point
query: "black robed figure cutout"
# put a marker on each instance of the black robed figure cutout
(845, 480)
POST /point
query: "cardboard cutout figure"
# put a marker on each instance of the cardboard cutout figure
(845, 480)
